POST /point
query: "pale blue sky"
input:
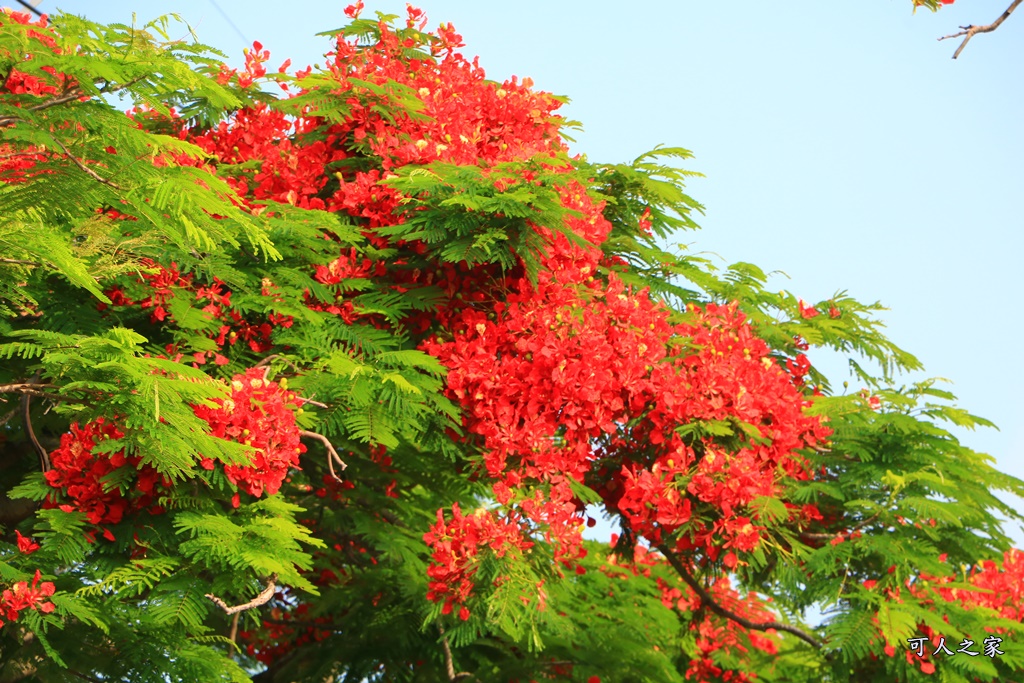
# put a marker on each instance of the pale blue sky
(840, 142)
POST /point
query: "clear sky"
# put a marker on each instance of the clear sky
(840, 143)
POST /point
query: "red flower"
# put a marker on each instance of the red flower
(261, 414)
(22, 596)
(80, 474)
(352, 11)
(806, 310)
(25, 544)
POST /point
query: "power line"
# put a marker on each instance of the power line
(31, 6)
(227, 18)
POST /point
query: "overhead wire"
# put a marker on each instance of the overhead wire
(231, 23)
(31, 7)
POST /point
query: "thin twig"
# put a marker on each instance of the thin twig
(7, 418)
(332, 455)
(275, 356)
(970, 31)
(263, 598)
(78, 162)
(19, 262)
(706, 599)
(310, 401)
(856, 527)
(108, 90)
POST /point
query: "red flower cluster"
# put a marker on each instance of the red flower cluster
(260, 413)
(22, 596)
(995, 587)
(21, 83)
(563, 367)
(165, 282)
(456, 545)
(81, 474)
(467, 119)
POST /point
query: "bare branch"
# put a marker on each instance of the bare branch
(970, 31)
(706, 599)
(275, 356)
(332, 455)
(19, 262)
(261, 599)
(311, 402)
(25, 387)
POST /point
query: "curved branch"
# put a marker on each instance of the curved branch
(970, 31)
(332, 455)
(706, 599)
(26, 414)
(261, 599)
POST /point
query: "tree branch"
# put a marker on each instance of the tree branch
(26, 413)
(275, 356)
(69, 96)
(233, 635)
(263, 598)
(829, 536)
(449, 663)
(33, 389)
(970, 31)
(19, 262)
(332, 455)
(84, 677)
(706, 599)
(80, 164)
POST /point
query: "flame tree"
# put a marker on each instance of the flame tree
(319, 375)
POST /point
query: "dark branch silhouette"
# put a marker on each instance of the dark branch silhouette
(709, 601)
